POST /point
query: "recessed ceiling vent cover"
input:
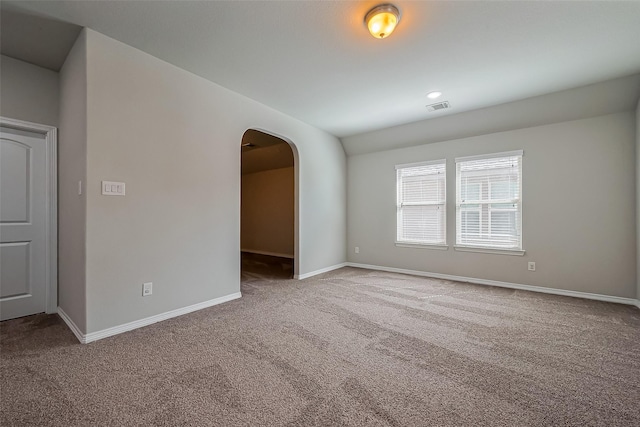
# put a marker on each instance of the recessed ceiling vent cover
(439, 106)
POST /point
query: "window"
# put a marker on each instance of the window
(421, 203)
(489, 201)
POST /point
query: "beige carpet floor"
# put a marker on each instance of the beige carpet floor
(348, 348)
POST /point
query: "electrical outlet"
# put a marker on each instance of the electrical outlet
(147, 289)
(357, 249)
(531, 266)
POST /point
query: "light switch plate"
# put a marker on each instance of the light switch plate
(111, 188)
(147, 289)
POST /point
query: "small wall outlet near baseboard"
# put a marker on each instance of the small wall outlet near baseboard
(531, 266)
(357, 249)
(147, 289)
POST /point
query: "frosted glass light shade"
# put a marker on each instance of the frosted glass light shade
(382, 20)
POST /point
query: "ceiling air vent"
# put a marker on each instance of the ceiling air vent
(439, 106)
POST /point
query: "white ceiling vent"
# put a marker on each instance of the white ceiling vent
(439, 106)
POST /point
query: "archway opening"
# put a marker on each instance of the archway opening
(268, 208)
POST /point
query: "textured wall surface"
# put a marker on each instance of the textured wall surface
(268, 212)
(29, 92)
(578, 207)
(174, 139)
(72, 168)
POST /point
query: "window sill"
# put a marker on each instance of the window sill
(513, 252)
(422, 246)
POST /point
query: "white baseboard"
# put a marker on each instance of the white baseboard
(322, 270)
(251, 251)
(94, 336)
(575, 294)
(71, 324)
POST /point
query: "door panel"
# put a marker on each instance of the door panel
(23, 204)
(14, 257)
(15, 159)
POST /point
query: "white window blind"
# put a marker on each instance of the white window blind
(489, 201)
(421, 203)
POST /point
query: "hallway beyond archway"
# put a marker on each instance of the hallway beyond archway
(268, 211)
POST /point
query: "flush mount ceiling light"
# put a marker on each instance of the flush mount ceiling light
(434, 95)
(382, 20)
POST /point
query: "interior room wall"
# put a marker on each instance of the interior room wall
(29, 92)
(174, 139)
(578, 207)
(638, 197)
(267, 212)
(72, 168)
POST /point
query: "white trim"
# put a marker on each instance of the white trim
(50, 134)
(70, 323)
(322, 270)
(563, 292)
(418, 164)
(94, 336)
(490, 156)
(422, 246)
(515, 252)
(251, 251)
(637, 303)
(24, 125)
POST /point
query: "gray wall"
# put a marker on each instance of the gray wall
(267, 212)
(174, 138)
(72, 167)
(638, 195)
(29, 92)
(578, 207)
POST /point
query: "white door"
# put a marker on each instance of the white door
(23, 213)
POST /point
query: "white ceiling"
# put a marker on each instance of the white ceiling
(315, 60)
(599, 99)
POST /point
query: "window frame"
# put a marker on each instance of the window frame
(466, 247)
(442, 204)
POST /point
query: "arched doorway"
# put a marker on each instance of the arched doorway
(269, 206)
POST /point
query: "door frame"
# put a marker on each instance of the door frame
(50, 134)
